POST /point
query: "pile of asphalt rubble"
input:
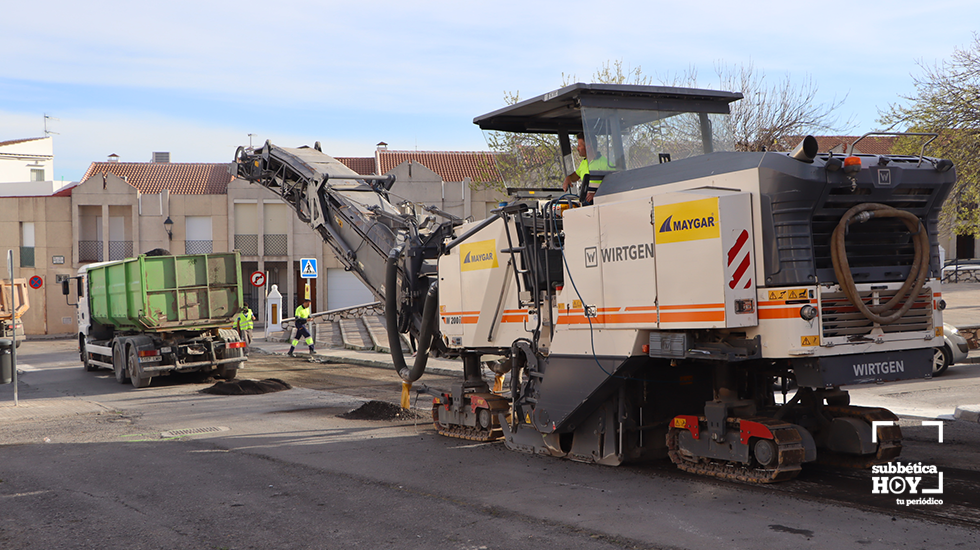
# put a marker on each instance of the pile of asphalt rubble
(247, 387)
(379, 410)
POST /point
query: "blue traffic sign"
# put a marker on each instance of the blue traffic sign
(307, 268)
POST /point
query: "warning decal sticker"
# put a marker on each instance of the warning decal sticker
(788, 294)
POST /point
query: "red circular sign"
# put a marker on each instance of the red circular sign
(36, 282)
(258, 278)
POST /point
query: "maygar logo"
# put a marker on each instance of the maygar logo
(478, 255)
(688, 221)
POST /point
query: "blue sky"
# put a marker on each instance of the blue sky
(195, 78)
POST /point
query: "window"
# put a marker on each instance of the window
(37, 174)
(198, 239)
(27, 244)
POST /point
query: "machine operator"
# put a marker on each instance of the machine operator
(302, 317)
(598, 163)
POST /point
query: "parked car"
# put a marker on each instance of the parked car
(953, 350)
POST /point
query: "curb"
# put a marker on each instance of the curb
(970, 413)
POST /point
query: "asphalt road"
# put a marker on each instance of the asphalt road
(85, 463)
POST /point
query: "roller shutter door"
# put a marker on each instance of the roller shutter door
(345, 290)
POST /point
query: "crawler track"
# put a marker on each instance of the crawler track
(790, 451)
(466, 432)
(889, 438)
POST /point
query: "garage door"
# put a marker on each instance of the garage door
(345, 290)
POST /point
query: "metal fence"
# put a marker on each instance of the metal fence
(198, 247)
(120, 250)
(90, 251)
(248, 245)
(275, 245)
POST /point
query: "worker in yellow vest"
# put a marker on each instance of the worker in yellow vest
(244, 323)
(302, 317)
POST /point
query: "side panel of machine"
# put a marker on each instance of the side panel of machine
(478, 297)
(705, 259)
(629, 271)
(581, 299)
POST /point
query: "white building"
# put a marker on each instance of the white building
(27, 168)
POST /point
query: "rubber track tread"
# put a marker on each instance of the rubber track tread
(889, 438)
(465, 432)
(789, 445)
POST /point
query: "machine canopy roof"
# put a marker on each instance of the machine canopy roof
(560, 110)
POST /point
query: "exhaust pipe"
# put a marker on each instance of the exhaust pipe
(806, 151)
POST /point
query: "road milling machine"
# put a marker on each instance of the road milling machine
(708, 307)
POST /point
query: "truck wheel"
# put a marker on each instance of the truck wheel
(136, 371)
(119, 363)
(83, 355)
(228, 373)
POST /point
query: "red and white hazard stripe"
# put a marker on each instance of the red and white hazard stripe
(738, 255)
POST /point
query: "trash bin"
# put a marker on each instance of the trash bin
(6, 361)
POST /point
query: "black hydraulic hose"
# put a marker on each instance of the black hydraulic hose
(426, 335)
(391, 321)
(391, 309)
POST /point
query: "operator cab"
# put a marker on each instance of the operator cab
(630, 126)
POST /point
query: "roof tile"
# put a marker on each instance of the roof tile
(16, 141)
(181, 178)
(450, 165)
(362, 165)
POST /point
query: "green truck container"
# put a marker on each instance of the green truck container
(153, 315)
(163, 293)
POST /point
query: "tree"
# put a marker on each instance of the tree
(520, 160)
(771, 114)
(534, 160)
(766, 119)
(947, 102)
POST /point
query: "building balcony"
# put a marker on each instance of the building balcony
(89, 251)
(120, 250)
(248, 245)
(275, 245)
(198, 247)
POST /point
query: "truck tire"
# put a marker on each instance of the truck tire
(119, 363)
(83, 355)
(136, 375)
(228, 371)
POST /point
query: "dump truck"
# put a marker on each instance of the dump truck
(11, 325)
(155, 315)
(708, 306)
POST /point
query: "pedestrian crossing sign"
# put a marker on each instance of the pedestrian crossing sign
(307, 268)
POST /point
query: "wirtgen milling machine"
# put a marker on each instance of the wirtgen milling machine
(670, 317)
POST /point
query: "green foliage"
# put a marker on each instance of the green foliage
(947, 102)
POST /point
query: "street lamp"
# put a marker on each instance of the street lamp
(168, 224)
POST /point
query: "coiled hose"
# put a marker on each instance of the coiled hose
(917, 273)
